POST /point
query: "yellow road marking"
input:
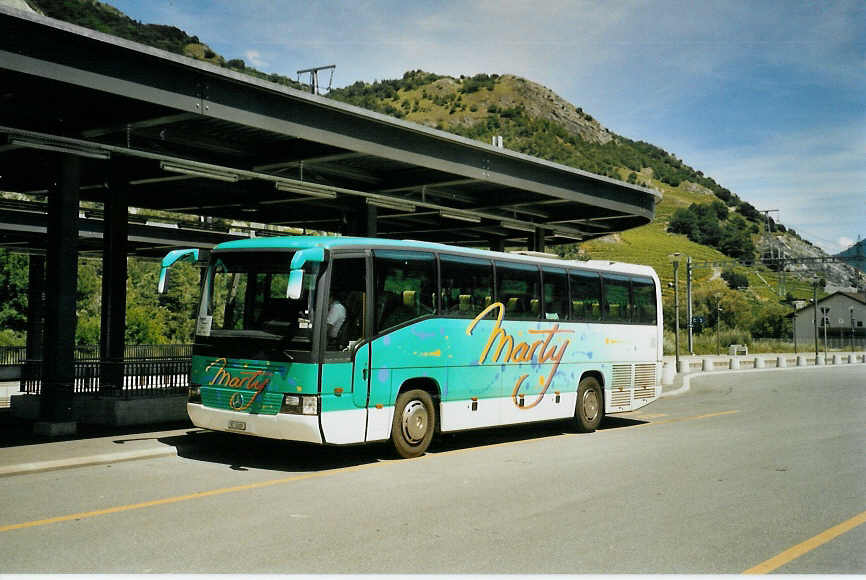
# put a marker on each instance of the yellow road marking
(293, 478)
(180, 498)
(804, 547)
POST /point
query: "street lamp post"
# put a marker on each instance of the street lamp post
(794, 329)
(815, 306)
(677, 310)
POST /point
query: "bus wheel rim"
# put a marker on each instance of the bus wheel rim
(590, 404)
(415, 420)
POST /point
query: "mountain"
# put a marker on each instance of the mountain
(696, 217)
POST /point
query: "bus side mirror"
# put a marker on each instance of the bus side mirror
(296, 282)
(296, 276)
(188, 255)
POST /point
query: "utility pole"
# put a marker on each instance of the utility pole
(689, 303)
(825, 318)
(718, 339)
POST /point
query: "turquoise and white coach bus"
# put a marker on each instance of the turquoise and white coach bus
(339, 340)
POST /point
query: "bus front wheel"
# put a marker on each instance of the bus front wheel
(590, 405)
(414, 423)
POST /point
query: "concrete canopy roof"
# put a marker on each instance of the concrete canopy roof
(195, 138)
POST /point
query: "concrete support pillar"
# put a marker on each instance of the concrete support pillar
(734, 363)
(113, 329)
(684, 366)
(759, 363)
(371, 228)
(707, 364)
(62, 277)
(781, 361)
(497, 244)
(819, 359)
(35, 307)
(801, 360)
(837, 358)
(539, 240)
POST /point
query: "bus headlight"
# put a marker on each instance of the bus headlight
(310, 405)
(300, 404)
(194, 395)
(291, 404)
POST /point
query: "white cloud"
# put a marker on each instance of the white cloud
(254, 58)
(844, 243)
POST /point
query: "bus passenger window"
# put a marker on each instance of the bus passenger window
(517, 287)
(644, 294)
(585, 295)
(555, 294)
(405, 287)
(617, 305)
(467, 285)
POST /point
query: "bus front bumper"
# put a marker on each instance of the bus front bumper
(279, 426)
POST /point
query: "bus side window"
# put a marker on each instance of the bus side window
(555, 294)
(585, 295)
(405, 287)
(344, 319)
(517, 286)
(644, 294)
(467, 285)
(617, 303)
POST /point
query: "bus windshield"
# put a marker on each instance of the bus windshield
(246, 298)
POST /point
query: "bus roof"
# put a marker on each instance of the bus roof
(349, 242)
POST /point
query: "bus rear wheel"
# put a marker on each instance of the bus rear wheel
(414, 423)
(589, 409)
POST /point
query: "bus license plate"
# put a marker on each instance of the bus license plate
(238, 425)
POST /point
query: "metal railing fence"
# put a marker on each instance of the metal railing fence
(12, 355)
(141, 377)
(16, 355)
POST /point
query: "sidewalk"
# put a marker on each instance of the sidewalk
(23, 453)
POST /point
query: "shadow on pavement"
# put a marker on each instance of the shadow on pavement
(242, 452)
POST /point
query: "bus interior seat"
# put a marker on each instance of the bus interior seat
(410, 302)
(465, 303)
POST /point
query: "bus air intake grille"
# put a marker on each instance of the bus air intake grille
(265, 403)
(621, 376)
(620, 398)
(647, 393)
(645, 376)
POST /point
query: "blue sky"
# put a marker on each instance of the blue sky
(767, 97)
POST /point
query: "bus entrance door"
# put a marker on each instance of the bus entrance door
(361, 376)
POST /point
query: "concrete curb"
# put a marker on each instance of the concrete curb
(687, 377)
(100, 459)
